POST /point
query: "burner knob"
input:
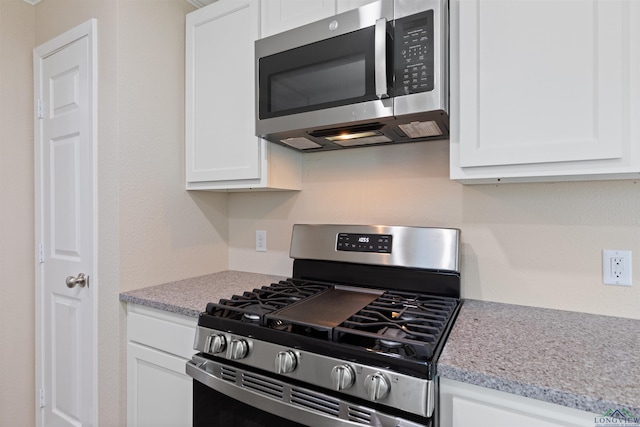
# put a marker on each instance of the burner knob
(215, 344)
(238, 349)
(342, 377)
(286, 362)
(376, 386)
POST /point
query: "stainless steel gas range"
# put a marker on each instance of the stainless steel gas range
(351, 339)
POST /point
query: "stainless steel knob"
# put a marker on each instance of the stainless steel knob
(238, 349)
(286, 362)
(376, 386)
(215, 343)
(81, 281)
(342, 377)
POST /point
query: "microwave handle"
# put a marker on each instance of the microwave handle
(381, 58)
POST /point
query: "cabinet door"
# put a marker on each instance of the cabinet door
(220, 127)
(344, 5)
(466, 405)
(543, 90)
(159, 391)
(282, 15)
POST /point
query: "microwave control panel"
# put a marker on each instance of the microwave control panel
(414, 53)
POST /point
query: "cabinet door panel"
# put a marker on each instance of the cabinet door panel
(469, 413)
(541, 83)
(344, 5)
(467, 405)
(220, 94)
(282, 15)
(159, 390)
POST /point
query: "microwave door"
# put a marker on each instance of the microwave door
(334, 72)
(340, 77)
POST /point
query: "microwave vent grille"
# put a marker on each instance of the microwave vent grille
(300, 143)
(421, 129)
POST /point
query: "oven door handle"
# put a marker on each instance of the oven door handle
(197, 368)
(380, 58)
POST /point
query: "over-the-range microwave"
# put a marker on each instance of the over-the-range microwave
(373, 75)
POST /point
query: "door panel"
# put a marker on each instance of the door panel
(66, 317)
(65, 198)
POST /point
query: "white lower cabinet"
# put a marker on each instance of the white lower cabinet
(159, 344)
(467, 405)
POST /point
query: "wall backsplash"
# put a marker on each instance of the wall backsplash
(530, 244)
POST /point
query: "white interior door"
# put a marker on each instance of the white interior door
(66, 228)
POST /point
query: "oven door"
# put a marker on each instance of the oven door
(228, 395)
(321, 73)
(212, 408)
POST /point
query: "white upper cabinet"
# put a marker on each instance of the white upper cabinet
(282, 15)
(545, 91)
(344, 5)
(222, 151)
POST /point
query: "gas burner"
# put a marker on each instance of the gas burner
(253, 313)
(404, 316)
(390, 338)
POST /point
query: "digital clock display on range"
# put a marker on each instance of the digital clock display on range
(351, 242)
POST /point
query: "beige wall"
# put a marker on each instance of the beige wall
(150, 229)
(17, 320)
(166, 233)
(531, 244)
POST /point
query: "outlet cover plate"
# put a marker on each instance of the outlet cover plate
(616, 267)
(261, 240)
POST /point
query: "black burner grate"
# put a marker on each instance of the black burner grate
(399, 324)
(251, 306)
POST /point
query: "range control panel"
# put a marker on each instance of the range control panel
(380, 243)
(414, 53)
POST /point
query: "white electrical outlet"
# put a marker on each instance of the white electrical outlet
(261, 240)
(616, 267)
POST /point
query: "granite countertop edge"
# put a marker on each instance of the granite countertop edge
(171, 308)
(532, 391)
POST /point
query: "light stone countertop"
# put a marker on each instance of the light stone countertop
(583, 361)
(189, 297)
(579, 360)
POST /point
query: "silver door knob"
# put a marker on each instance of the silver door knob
(81, 281)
